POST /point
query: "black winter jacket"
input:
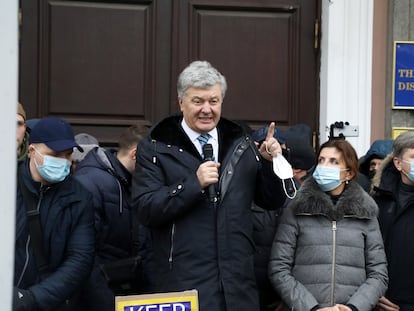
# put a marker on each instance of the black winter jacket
(196, 245)
(265, 224)
(110, 182)
(397, 226)
(68, 239)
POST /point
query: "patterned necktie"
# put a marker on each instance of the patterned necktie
(203, 139)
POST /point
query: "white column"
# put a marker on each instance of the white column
(346, 61)
(8, 104)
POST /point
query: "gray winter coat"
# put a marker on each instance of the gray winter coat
(325, 254)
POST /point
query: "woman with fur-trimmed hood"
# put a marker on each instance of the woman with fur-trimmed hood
(328, 252)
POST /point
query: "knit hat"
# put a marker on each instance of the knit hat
(87, 142)
(301, 154)
(21, 111)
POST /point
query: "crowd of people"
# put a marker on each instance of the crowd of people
(253, 219)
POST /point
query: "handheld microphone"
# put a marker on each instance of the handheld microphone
(208, 156)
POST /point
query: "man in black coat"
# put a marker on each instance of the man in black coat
(106, 173)
(199, 210)
(299, 152)
(22, 133)
(394, 194)
(54, 240)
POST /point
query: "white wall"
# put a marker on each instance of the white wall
(346, 61)
(8, 103)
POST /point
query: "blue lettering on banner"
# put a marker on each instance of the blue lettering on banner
(176, 306)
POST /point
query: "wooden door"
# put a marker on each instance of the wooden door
(266, 50)
(104, 65)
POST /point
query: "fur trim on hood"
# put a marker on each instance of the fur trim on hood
(353, 202)
(387, 177)
(377, 177)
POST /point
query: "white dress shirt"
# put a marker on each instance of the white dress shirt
(193, 135)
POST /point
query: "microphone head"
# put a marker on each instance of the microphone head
(208, 152)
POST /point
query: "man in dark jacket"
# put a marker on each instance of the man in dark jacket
(107, 175)
(371, 161)
(300, 154)
(394, 194)
(199, 211)
(22, 133)
(55, 239)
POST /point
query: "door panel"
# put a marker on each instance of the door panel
(245, 51)
(104, 65)
(94, 70)
(266, 51)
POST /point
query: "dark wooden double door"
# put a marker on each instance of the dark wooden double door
(104, 65)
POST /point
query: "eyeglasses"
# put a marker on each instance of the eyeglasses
(20, 123)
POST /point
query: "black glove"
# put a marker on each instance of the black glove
(23, 300)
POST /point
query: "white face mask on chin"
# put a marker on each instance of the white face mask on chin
(283, 170)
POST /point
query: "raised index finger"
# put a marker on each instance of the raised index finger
(270, 131)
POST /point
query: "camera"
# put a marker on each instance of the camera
(341, 130)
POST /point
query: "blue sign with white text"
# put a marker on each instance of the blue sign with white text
(403, 93)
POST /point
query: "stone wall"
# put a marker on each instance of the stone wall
(401, 28)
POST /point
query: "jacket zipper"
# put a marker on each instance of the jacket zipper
(228, 171)
(26, 263)
(333, 261)
(170, 258)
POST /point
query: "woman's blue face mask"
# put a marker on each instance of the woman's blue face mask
(327, 177)
(54, 169)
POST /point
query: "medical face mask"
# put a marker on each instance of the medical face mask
(54, 169)
(283, 170)
(328, 178)
(410, 175)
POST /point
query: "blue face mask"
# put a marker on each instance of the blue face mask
(328, 178)
(54, 169)
(410, 175)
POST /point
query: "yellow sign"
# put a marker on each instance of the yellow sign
(174, 301)
(398, 130)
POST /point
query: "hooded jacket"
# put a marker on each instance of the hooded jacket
(324, 254)
(118, 233)
(198, 245)
(109, 182)
(67, 238)
(379, 149)
(396, 222)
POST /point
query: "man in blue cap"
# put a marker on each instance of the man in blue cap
(54, 225)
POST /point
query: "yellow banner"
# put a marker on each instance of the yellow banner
(174, 301)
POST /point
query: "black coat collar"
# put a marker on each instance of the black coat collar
(170, 132)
